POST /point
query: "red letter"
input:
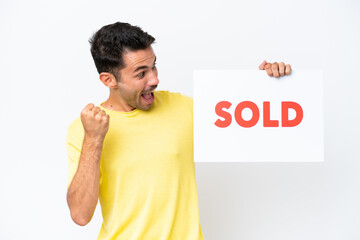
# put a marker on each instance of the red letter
(219, 111)
(285, 122)
(255, 116)
(267, 121)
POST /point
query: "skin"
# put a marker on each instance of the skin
(138, 76)
(83, 192)
(275, 69)
(125, 96)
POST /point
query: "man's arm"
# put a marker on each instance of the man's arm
(83, 192)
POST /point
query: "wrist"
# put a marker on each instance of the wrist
(93, 140)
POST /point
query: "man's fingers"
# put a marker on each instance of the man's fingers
(89, 107)
(268, 69)
(282, 69)
(95, 121)
(103, 114)
(275, 69)
(103, 117)
(287, 69)
(262, 65)
(96, 110)
(91, 111)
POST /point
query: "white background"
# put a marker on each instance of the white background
(47, 76)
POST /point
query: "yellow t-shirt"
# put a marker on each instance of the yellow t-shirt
(147, 172)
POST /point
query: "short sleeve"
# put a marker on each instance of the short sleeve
(74, 139)
(189, 103)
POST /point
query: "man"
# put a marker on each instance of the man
(134, 152)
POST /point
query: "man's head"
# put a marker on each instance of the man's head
(125, 61)
(110, 43)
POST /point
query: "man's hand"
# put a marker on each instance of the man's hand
(275, 69)
(95, 121)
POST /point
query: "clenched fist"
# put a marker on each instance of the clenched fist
(95, 121)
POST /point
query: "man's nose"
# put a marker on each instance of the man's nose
(153, 80)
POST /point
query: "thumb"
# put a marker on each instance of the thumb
(262, 65)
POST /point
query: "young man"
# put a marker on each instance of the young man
(134, 152)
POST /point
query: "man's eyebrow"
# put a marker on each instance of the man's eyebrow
(143, 67)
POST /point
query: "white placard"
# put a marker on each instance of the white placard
(247, 116)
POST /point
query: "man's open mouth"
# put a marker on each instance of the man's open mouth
(148, 96)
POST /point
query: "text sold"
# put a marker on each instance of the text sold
(267, 122)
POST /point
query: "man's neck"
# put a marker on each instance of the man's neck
(116, 105)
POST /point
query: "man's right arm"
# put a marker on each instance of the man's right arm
(83, 192)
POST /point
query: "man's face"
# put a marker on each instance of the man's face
(138, 79)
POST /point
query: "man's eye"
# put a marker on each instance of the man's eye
(141, 75)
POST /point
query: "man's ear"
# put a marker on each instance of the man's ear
(108, 79)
